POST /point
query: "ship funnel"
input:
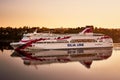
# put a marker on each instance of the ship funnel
(86, 31)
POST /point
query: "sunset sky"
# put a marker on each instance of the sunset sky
(60, 13)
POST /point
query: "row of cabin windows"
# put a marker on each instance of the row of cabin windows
(62, 41)
(82, 40)
(72, 41)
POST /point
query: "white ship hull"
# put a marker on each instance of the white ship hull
(16, 44)
(69, 45)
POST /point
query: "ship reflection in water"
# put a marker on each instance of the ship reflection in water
(84, 56)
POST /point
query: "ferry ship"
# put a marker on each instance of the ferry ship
(48, 41)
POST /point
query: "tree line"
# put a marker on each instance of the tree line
(15, 34)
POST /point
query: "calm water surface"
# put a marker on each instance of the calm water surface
(83, 65)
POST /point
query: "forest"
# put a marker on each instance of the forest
(10, 34)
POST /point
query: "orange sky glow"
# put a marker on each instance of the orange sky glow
(60, 13)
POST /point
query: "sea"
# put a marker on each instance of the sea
(73, 64)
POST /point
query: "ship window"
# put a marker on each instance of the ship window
(82, 40)
(58, 41)
(58, 38)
